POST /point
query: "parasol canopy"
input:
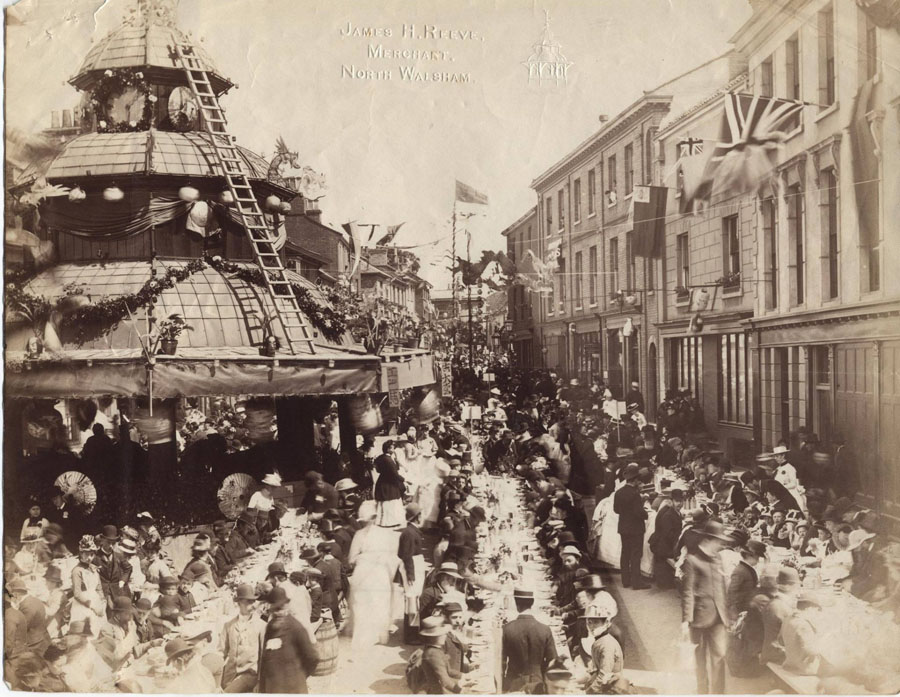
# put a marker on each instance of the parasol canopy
(79, 488)
(235, 493)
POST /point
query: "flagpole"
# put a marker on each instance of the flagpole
(469, 291)
(453, 277)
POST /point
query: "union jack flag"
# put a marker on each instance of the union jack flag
(690, 146)
(752, 128)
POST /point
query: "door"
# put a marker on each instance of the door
(854, 408)
(889, 426)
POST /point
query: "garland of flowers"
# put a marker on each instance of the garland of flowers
(92, 321)
(113, 83)
(332, 323)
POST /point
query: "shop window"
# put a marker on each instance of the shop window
(734, 379)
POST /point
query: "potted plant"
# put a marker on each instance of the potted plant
(168, 330)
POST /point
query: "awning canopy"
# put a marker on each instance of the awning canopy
(195, 374)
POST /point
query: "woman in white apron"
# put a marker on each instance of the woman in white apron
(87, 600)
(373, 557)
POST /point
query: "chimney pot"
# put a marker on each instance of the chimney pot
(67, 118)
(54, 119)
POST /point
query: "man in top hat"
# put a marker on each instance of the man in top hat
(319, 496)
(242, 643)
(527, 647)
(412, 556)
(664, 540)
(439, 676)
(288, 654)
(113, 567)
(704, 609)
(628, 503)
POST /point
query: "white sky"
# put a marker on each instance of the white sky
(390, 150)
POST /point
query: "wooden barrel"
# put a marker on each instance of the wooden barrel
(327, 646)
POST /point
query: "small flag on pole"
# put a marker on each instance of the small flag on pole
(466, 194)
(391, 234)
(649, 220)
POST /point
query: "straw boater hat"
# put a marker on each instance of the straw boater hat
(449, 568)
(128, 546)
(558, 670)
(779, 450)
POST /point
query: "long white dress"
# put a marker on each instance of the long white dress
(373, 555)
(429, 489)
(605, 540)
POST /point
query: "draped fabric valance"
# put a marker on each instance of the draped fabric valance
(99, 219)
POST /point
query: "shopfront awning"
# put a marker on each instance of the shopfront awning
(74, 379)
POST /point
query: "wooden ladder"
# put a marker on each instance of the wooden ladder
(294, 322)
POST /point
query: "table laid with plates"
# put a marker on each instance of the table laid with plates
(204, 625)
(509, 557)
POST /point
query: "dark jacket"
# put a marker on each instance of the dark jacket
(37, 638)
(440, 678)
(703, 592)
(288, 656)
(431, 596)
(115, 573)
(666, 531)
(741, 589)
(628, 503)
(528, 649)
(411, 542)
(456, 651)
(390, 484)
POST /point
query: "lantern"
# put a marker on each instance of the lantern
(696, 324)
(113, 193)
(628, 329)
(188, 193)
(285, 207)
(273, 203)
(77, 194)
(226, 197)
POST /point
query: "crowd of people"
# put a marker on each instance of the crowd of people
(399, 533)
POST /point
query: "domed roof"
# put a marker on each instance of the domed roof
(224, 312)
(146, 152)
(142, 43)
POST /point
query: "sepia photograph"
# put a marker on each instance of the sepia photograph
(446, 346)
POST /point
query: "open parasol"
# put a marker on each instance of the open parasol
(235, 493)
(79, 488)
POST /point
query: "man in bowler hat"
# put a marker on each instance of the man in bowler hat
(528, 647)
(632, 516)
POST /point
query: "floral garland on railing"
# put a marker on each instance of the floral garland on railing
(90, 322)
(331, 322)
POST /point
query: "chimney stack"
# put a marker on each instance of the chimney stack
(54, 119)
(67, 118)
(313, 213)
